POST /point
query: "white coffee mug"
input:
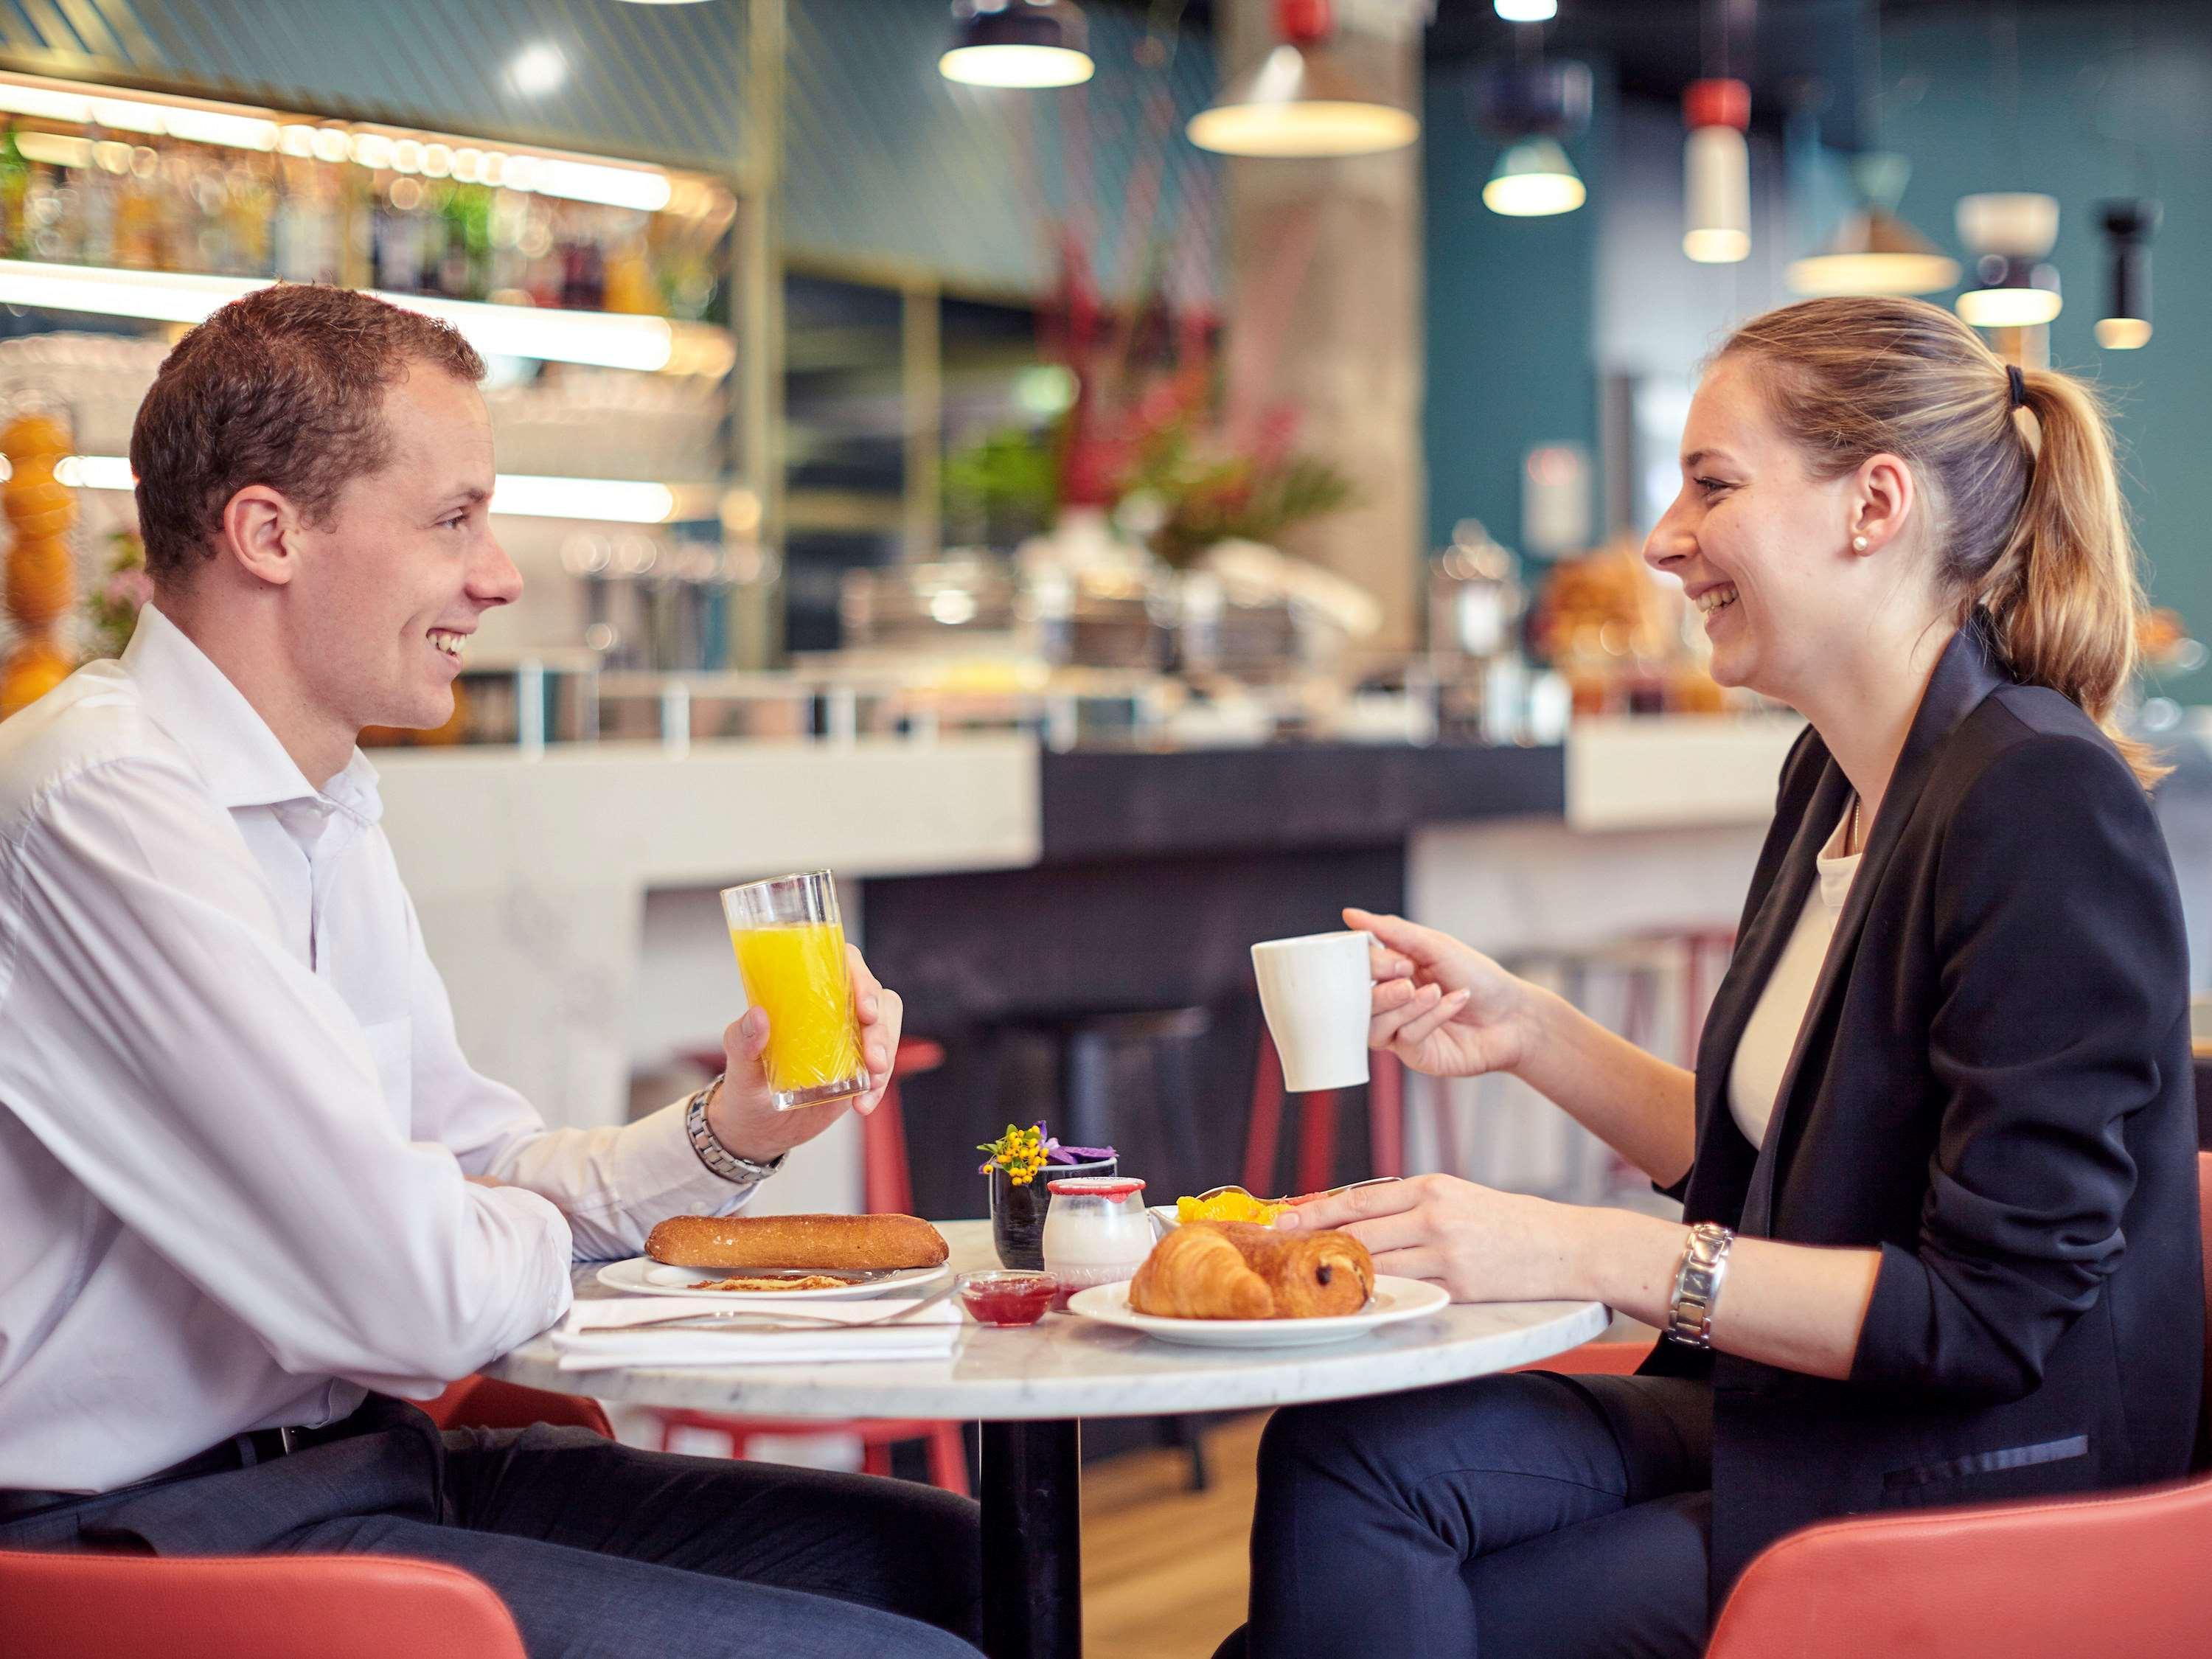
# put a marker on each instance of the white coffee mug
(1316, 992)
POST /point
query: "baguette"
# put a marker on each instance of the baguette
(855, 1242)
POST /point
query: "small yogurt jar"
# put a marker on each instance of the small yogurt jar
(1096, 1231)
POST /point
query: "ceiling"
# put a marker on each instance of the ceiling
(1793, 53)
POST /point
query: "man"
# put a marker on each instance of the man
(249, 1187)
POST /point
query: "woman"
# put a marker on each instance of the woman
(1939, 1147)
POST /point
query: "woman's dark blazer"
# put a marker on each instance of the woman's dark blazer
(1992, 1084)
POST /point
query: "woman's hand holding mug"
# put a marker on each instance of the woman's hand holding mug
(1443, 1007)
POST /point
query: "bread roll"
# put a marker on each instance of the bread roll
(1195, 1272)
(1313, 1276)
(852, 1243)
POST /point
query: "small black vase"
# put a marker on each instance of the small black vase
(1017, 1212)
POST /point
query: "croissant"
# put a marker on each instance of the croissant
(1195, 1272)
(1233, 1270)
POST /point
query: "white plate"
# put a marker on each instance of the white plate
(1394, 1299)
(643, 1275)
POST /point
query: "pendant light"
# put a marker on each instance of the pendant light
(1717, 171)
(1876, 252)
(2129, 225)
(1298, 102)
(1532, 178)
(1017, 43)
(2009, 232)
(1533, 105)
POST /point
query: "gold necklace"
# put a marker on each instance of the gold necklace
(1851, 835)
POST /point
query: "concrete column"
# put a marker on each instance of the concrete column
(1326, 306)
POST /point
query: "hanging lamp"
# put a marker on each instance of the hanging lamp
(2129, 224)
(2009, 232)
(1876, 252)
(1018, 43)
(1532, 104)
(1717, 171)
(1299, 102)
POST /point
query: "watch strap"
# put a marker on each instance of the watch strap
(731, 1166)
(1698, 1284)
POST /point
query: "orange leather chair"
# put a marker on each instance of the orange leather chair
(57, 1606)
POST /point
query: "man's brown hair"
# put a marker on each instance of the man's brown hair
(284, 387)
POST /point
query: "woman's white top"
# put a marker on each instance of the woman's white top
(1770, 1036)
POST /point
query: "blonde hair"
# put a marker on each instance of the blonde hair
(2027, 523)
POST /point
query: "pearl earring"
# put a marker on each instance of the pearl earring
(1858, 544)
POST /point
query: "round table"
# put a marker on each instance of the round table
(1027, 1387)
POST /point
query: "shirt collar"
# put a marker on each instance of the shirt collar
(196, 704)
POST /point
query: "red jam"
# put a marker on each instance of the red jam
(1008, 1298)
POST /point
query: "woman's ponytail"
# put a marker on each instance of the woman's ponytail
(2063, 595)
(2017, 464)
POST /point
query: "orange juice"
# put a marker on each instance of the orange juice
(795, 971)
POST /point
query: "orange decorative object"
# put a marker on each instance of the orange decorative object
(28, 436)
(41, 581)
(41, 578)
(32, 669)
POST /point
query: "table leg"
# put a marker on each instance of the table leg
(1033, 1541)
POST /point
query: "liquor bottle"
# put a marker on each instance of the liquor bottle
(14, 192)
(137, 221)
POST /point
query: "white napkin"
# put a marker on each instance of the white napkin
(615, 1331)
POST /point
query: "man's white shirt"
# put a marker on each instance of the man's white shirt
(234, 1117)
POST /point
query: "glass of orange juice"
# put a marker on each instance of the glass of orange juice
(790, 943)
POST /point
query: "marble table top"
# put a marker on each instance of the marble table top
(1068, 1366)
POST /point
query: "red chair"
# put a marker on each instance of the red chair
(2121, 1574)
(335, 1606)
(481, 1402)
(887, 1188)
(1316, 1156)
(55, 1605)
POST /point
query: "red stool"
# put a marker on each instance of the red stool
(886, 1188)
(1316, 1156)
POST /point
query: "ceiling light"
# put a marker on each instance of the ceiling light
(1527, 11)
(537, 70)
(1717, 171)
(2010, 290)
(1017, 43)
(2020, 223)
(1298, 102)
(1876, 252)
(2129, 225)
(1533, 179)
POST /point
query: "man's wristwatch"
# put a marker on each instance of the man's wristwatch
(1698, 1284)
(715, 1155)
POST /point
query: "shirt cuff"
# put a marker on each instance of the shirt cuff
(662, 1161)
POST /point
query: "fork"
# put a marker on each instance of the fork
(1372, 1181)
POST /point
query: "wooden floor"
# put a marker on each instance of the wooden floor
(1164, 1569)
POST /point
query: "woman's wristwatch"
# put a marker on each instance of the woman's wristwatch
(1698, 1284)
(716, 1156)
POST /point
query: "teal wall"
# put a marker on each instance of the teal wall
(2083, 91)
(1512, 311)
(1511, 315)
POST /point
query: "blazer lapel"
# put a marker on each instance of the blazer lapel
(1965, 674)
